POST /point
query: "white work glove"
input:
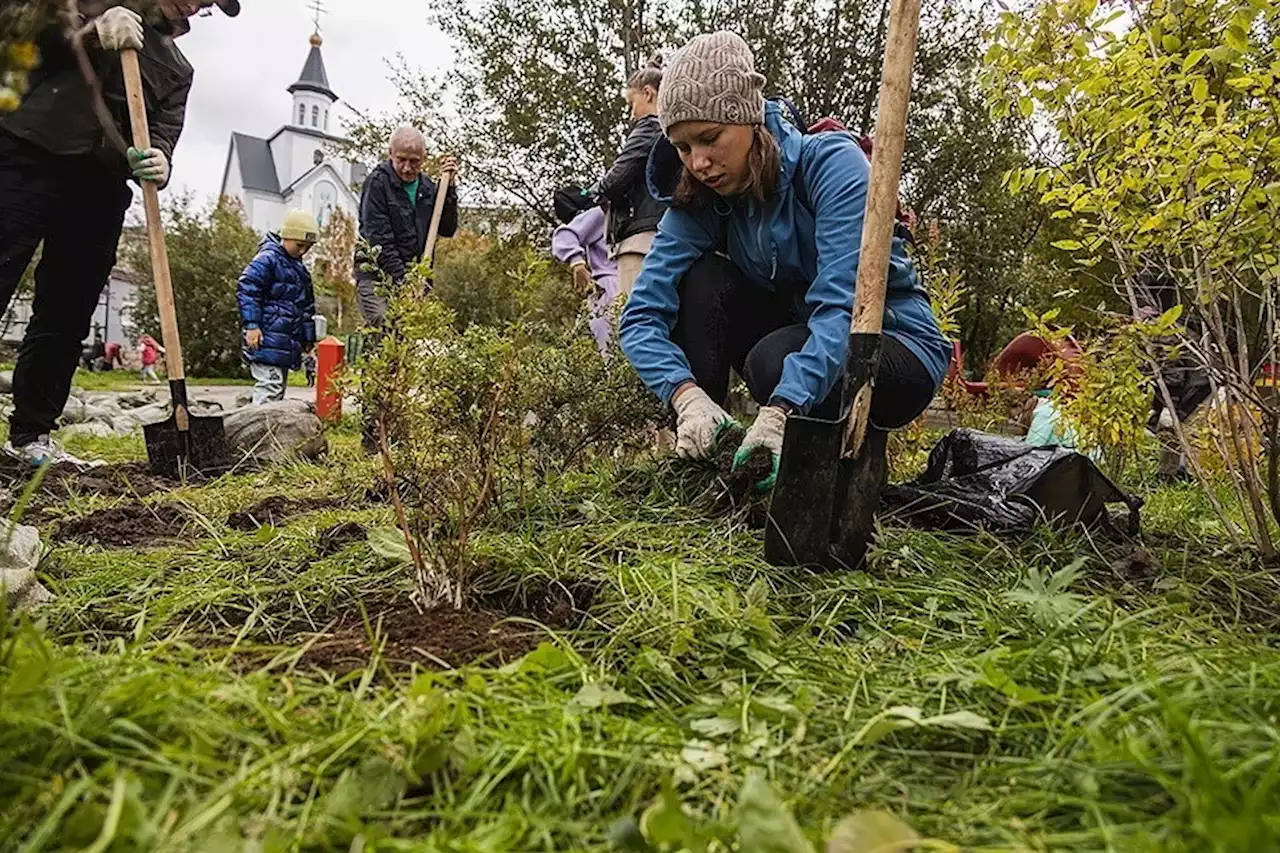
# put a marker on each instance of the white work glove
(149, 165)
(119, 28)
(767, 432)
(698, 420)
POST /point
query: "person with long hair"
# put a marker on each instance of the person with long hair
(754, 267)
(633, 212)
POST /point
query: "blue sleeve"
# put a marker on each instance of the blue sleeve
(654, 305)
(836, 176)
(252, 290)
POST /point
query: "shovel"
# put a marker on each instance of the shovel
(433, 232)
(831, 473)
(183, 443)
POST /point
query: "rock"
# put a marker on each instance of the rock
(149, 414)
(137, 399)
(95, 428)
(275, 432)
(6, 381)
(74, 412)
(19, 556)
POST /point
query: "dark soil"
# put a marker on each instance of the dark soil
(63, 481)
(338, 537)
(494, 630)
(727, 443)
(276, 509)
(737, 488)
(126, 526)
(1138, 568)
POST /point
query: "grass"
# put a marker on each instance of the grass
(1061, 703)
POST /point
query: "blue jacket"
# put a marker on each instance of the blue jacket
(805, 245)
(275, 295)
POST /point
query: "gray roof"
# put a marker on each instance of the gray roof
(257, 166)
(313, 77)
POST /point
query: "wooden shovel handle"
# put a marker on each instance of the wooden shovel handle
(433, 233)
(882, 197)
(155, 228)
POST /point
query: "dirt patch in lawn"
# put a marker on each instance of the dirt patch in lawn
(338, 537)
(126, 526)
(62, 481)
(276, 509)
(493, 630)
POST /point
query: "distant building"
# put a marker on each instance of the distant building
(295, 166)
(111, 319)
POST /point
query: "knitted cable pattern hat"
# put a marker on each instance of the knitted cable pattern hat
(712, 78)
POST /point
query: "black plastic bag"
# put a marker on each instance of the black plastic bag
(979, 481)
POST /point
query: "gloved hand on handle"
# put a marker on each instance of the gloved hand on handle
(766, 432)
(119, 28)
(149, 165)
(698, 421)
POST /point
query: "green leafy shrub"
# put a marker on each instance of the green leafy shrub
(467, 414)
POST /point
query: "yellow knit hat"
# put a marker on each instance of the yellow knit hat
(301, 226)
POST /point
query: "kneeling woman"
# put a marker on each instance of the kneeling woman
(753, 268)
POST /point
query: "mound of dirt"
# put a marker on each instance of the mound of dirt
(61, 481)
(126, 526)
(338, 537)
(276, 509)
(494, 631)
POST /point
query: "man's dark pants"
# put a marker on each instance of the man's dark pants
(76, 207)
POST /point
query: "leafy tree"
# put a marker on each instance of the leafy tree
(536, 101)
(208, 249)
(1165, 158)
(333, 270)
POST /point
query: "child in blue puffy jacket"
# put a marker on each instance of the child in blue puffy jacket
(277, 304)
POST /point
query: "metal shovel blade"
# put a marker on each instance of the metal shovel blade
(823, 508)
(200, 448)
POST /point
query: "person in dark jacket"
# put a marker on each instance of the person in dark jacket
(395, 216)
(755, 267)
(64, 182)
(633, 211)
(277, 306)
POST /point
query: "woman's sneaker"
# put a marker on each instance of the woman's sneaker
(45, 451)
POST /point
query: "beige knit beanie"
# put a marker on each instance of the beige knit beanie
(712, 78)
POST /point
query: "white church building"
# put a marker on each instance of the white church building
(296, 166)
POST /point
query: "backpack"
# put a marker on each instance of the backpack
(829, 124)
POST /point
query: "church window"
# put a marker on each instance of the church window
(315, 116)
(302, 113)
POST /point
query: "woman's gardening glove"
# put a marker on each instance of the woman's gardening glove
(765, 433)
(119, 28)
(150, 165)
(698, 421)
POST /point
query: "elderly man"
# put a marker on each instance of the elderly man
(395, 216)
(64, 183)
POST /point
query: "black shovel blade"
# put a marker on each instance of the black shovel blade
(823, 508)
(200, 450)
(859, 488)
(798, 526)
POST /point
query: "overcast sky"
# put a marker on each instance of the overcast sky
(244, 65)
